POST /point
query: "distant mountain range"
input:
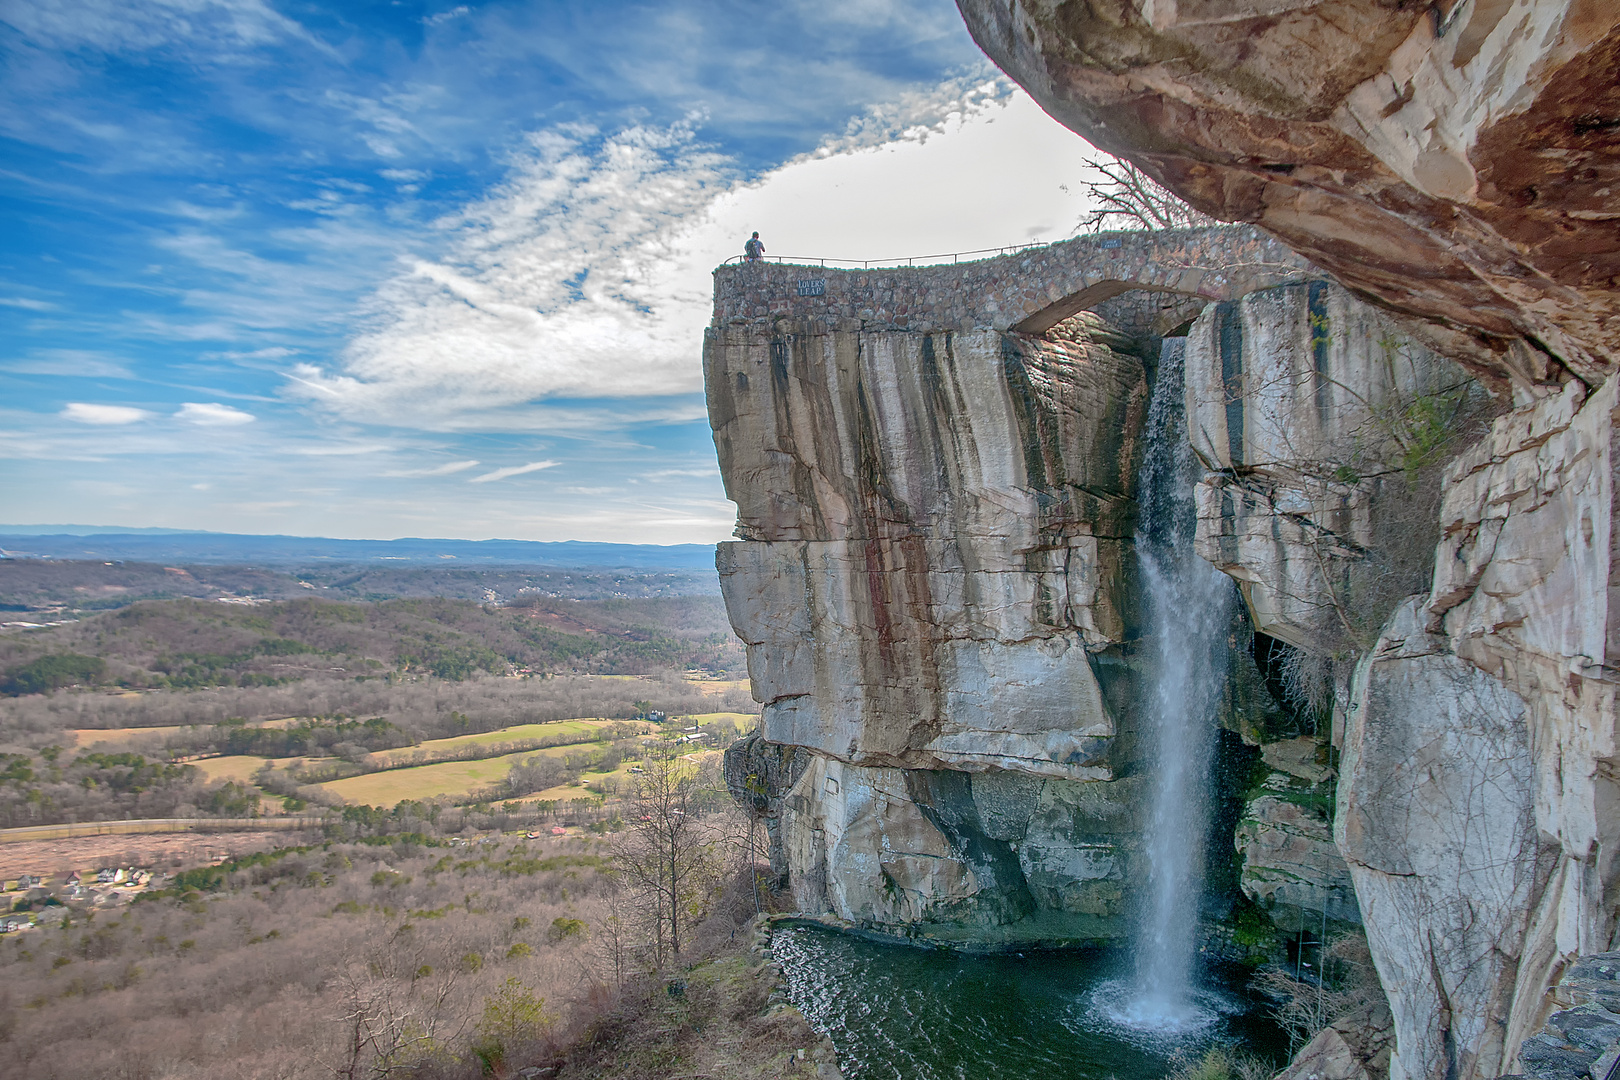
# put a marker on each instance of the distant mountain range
(174, 546)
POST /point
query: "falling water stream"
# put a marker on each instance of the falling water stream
(1189, 611)
(898, 1013)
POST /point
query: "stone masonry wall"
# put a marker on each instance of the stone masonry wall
(1032, 290)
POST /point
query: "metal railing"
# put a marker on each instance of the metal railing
(909, 260)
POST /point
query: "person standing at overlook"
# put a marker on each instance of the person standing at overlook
(754, 250)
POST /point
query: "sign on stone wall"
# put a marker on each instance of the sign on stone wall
(812, 286)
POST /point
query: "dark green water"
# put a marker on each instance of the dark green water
(901, 1013)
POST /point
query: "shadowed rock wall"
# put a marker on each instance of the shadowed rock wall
(1455, 160)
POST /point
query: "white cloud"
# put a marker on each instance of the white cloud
(437, 470)
(103, 415)
(559, 283)
(445, 16)
(212, 414)
(26, 304)
(586, 273)
(512, 470)
(342, 449)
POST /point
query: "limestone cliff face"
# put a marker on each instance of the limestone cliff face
(935, 525)
(933, 592)
(1456, 160)
(938, 592)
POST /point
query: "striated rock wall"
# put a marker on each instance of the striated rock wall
(1324, 425)
(933, 592)
(935, 529)
(938, 594)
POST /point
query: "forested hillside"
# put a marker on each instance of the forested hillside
(196, 644)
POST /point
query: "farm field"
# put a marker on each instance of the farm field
(743, 720)
(59, 855)
(564, 792)
(84, 738)
(429, 781)
(239, 767)
(585, 730)
(716, 687)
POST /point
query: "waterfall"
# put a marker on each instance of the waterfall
(1189, 613)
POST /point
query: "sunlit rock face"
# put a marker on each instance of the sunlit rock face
(933, 590)
(1456, 160)
(936, 530)
(1313, 411)
(1435, 818)
(938, 591)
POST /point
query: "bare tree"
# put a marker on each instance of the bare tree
(667, 856)
(1125, 197)
(394, 1019)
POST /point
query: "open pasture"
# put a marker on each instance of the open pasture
(583, 730)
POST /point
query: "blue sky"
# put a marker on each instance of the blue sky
(391, 268)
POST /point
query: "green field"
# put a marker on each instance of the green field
(426, 781)
(585, 730)
(744, 720)
(439, 778)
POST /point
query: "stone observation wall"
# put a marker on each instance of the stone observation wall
(1030, 291)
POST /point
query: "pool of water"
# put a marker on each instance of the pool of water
(900, 1013)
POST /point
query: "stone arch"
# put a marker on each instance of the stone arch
(1086, 299)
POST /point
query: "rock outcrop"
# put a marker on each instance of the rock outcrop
(1455, 160)
(932, 594)
(940, 602)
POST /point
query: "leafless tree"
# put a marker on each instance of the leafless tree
(1125, 197)
(391, 1019)
(668, 857)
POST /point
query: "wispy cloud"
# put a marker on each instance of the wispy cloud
(68, 363)
(27, 304)
(586, 273)
(437, 470)
(562, 283)
(445, 16)
(213, 414)
(103, 415)
(512, 470)
(120, 26)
